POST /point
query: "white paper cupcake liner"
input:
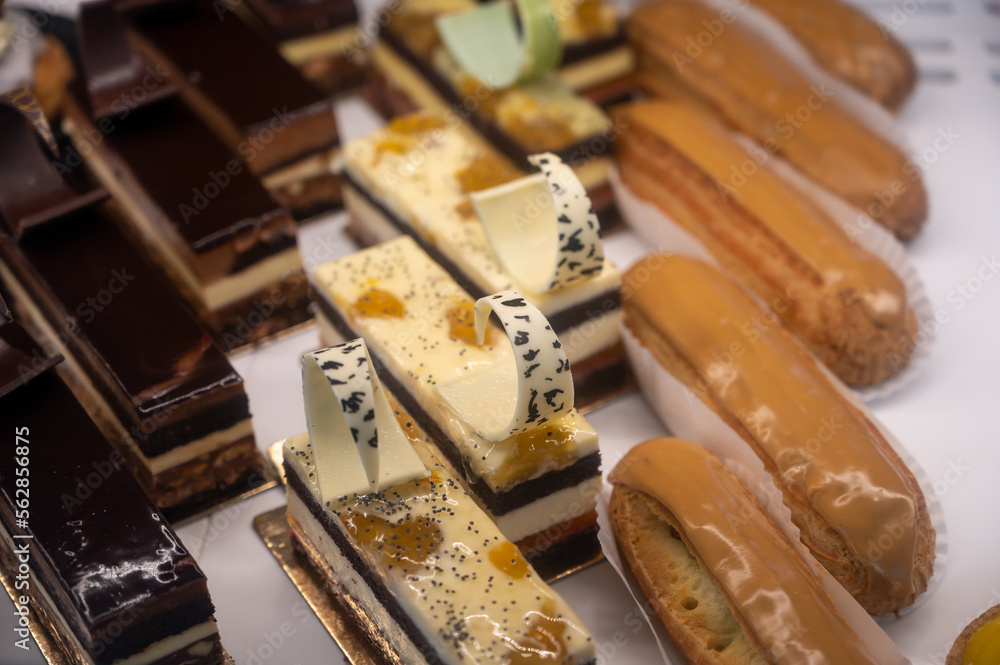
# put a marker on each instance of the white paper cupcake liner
(662, 234)
(687, 417)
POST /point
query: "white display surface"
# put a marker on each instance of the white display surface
(948, 418)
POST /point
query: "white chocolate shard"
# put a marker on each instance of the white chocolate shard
(532, 388)
(358, 444)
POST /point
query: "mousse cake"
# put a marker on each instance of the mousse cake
(161, 391)
(417, 176)
(86, 551)
(539, 486)
(413, 70)
(256, 101)
(190, 202)
(422, 569)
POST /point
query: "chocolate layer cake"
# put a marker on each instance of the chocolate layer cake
(414, 177)
(255, 100)
(539, 487)
(162, 392)
(80, 543)
(321, 38)
(192, 203)
(412, 70)
(422, 567)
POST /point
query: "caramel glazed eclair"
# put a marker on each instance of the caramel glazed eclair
(858, 507)
(845, 304)
(727, 590)
(741, 77)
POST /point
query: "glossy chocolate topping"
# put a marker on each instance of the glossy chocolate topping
(776, 598)
(834, 259)
(114, 566)
(20, 358)
(31, 191)
(299, 18)
(821, 448)
(114, 71)
(240, 72)
(180, 163)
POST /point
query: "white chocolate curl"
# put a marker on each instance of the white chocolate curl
(516, 396)
(358, 445)
(542, 227)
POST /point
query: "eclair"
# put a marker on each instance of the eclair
(850, 45)
(845, 304)
(686, 49)
(979, 643)
(859, 508)
(724, 581)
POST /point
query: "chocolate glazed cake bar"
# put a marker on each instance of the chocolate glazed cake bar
(412, 70)
(80, 543)
(387, 197)
(162, 392)
(254, 99)
(320, 37)
(539, 487)
(191, 203)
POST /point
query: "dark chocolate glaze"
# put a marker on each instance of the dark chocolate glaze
(21, 359)
(31, 192)
(288, 19)
(156, 366)
(242, 73)
(173, 155)
(115, 569)
(114, 70)
(497, 503)
(5, 316)
(560, 321)
(572, 154)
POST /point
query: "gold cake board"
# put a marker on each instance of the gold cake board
(47, 644)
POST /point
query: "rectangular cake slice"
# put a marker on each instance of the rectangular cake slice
(81, 543)
(420, 564)
(255, 100)
(414, 71)
(540, 486)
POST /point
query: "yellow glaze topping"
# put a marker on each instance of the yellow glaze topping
(461, 319)
(983, 648)
(509, 559)
(821, 447)
(378, 303)
(780, 602)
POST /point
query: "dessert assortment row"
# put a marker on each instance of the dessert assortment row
(447, 470)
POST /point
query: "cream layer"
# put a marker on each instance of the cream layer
(598, 68)
(185, 640)
(339, 40)
(463, 584)
(105, 416)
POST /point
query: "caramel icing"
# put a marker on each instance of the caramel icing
(823, 451)
(805, 229)
(778, 601)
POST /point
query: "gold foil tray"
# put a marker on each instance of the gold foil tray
(352, 638)
(42, 632)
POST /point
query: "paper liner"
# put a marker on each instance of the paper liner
(663, 234)
(863, 108)
(688, 418)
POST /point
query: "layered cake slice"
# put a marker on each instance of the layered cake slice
(161, 391)
(413, 70)
(189, 200)
(81, 546)
(255, 100)
(423, 570)
(418, 176)
(539, 485)
(321, 38)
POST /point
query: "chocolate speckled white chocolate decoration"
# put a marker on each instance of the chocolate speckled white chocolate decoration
(542, 227)
(506, 398)
(358, 443)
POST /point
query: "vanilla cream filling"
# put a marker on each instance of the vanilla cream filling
(186, 639)
(142, 212)
(459, 598)
(308, 167)
(302, 49)
(598, 68)
(543, 514)
(105, 416)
